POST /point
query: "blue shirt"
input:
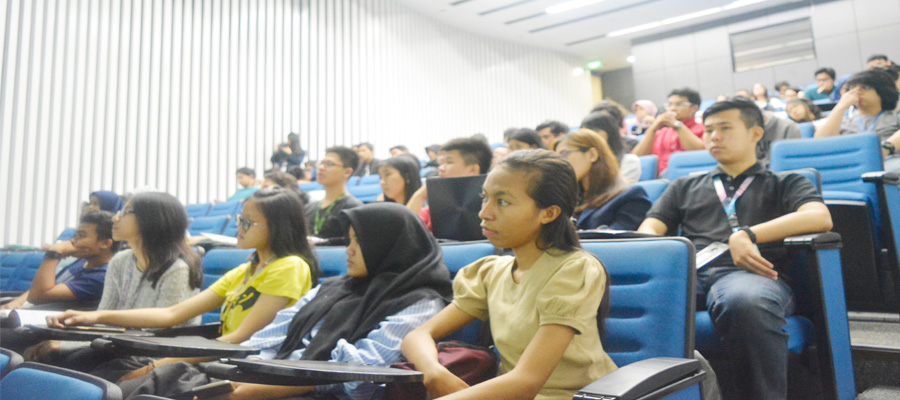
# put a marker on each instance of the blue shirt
(243, 193)
(380, 347)
(85, 284)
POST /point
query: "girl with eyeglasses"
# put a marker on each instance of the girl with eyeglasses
(280, 271)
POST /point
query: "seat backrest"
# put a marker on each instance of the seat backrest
(332, 261)
(197, 210)
(426, 171)
(39, 381)
(20, 280)
(9, 360)
(812, 175)
(649, 165)
(651, 297)
(227, 208)
(231, 229)
(208, 224)
(369, 180)
(654, 188)
(458, 255)
(687, 162)
(310, 186)
(66, 234)
(841, 161)
(217, 262)
(807, 130)
(9, 263)
(365, 193)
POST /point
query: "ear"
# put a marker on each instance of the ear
(348, 172)
(694, 109)
(106, 244)
(473, 169)
(549, 214)
(757, 133)
(593, 155)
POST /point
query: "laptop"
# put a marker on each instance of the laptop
(455, 203)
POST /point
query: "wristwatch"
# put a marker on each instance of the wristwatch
(54, 255)
(749, 233)
(678, 124)
(889, 147)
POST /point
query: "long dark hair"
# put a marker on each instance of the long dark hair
(284, 214)
(552, 183)
(603, 121)
(603, 177)
(162, 223)
(409, 170)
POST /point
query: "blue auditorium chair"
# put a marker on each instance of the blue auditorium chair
(365, 193)
(459, 254)
(227, 208)
(332, 261)
(231, 229)
(687, 162)
(9, 360)
(20, 279)
(426, 171)
(216, 263)
(66, 234)
(215, 224)
(855, 209)
(197, 210)
(649, 165)
(9, 263)
(820, 320)
(310, 186)
(369, 180)
(39, 382)
(654, 188)
(807, 130)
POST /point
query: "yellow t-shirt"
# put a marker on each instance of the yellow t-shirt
(286, 277)
(559, 289)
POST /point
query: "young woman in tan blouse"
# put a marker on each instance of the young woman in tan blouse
(542, 303)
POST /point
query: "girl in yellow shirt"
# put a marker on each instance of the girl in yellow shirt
(543, 303)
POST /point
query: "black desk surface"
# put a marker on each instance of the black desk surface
(47, 333)
(310, 373)
(181, 346)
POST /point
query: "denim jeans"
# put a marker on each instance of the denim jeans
(749, 312)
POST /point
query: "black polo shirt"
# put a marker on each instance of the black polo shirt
(691, 204)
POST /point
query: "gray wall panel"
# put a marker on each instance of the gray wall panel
(839, 52)
(678, 51)
(876, 13)
(715, 78)
(712, 44)
(176, 95)
(650, 86)
(648, 56)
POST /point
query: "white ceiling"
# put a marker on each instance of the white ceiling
(580, 32)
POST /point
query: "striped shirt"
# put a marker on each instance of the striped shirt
(381, 347)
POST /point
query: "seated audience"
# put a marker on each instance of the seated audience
(93, 246)
(675, 130)
(606, 200)
(803, 110)
(782, 87)
(507, 133)
(745, 291)
(368, 164)
(159, 269)
(498, 154)
(605, 125)
(525, 139)
(618, 112)
(550, 131)
(644, 115)
(763, 101)
(288, 154)
(878, 61)
(873, 96)
(774, 129)
(335, 169)
(396, 280)
(743, 93)
(459, 157)
(280, 271)
(791, 94)
(299, 174)
(246, 177)
(398, 150)
(399, 179)
(283, 180)
(543, 304)
(432, 152)
(105, 200)
(825, 87)
(894, 71)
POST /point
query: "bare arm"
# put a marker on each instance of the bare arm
(262, 313)
(688, 139)
(206, 301)
(645, 147)
(526, 379)
(15, 303)
(653, 226)
(832, 125)
(43, 287)
(417, 200)
(420, 349)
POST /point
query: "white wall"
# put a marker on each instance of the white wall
(176, 94)
(846, 33)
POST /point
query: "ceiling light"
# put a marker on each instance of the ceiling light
(630, 59)
(569, 6)
(595, 65)
(685, 17)
(578, 71)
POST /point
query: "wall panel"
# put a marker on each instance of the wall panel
(176, 94)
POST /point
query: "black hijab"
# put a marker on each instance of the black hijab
(404, 266)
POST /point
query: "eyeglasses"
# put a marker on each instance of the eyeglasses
(329, 164)
(565, 153)
(122, 213)
(679, 104)
(244, 223)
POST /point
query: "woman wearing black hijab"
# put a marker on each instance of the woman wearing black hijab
(396, 280)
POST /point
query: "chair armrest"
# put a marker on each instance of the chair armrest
(645, 380)
(882, 178)
(814, 241)
(209, 331)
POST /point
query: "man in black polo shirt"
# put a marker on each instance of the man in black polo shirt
(741, 203)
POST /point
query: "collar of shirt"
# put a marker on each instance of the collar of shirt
(756, 169)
